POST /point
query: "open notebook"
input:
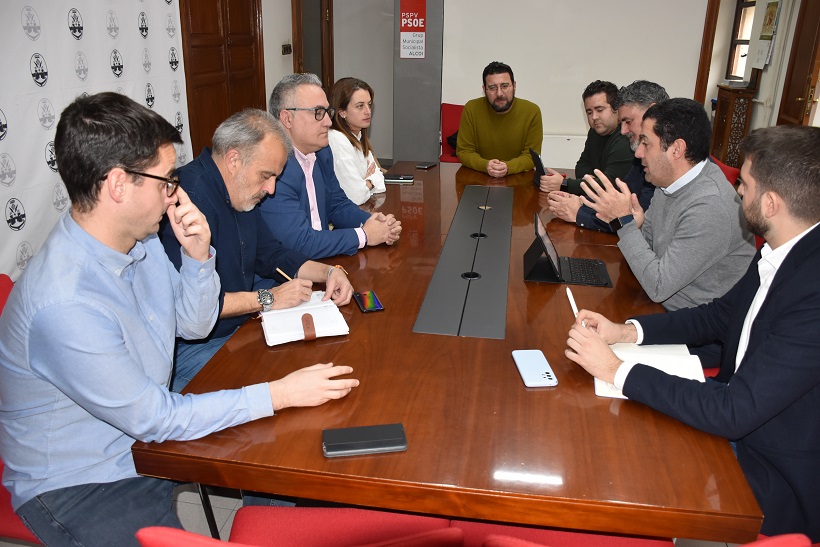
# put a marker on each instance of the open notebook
(281, 326)
(671, 358)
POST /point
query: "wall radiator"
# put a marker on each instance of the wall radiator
(562, 151)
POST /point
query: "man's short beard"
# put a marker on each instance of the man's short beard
(504, 108)
(755, 221)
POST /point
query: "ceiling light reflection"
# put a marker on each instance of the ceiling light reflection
(529, 478)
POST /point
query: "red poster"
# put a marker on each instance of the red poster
(413, 14)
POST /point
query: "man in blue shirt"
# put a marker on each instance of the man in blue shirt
(87, 337)
(309, 198)
(227, 184)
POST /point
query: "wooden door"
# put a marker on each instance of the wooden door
(800, 88)
(224, 66)
(313, 39)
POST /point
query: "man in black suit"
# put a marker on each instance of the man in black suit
(766, 399)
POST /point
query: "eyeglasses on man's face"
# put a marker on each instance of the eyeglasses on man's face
(318, 112)
(171, 183)
(494, 88)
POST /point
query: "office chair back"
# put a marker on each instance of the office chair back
(11, 526)
(450, 120)
(732, 174)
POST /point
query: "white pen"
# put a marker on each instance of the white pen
(574, 306)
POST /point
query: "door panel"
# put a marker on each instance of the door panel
(224, 68)
(207, 101)
(799, 88)
(203, 16)
(208, 60)
(313, 39)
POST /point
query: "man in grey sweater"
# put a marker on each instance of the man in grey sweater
(692, 245)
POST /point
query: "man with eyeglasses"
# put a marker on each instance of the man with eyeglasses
(87, 336)
(309, 199)
(496, 132)
(227, 183)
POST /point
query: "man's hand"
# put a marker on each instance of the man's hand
(610, 333)
(292, 293)
(311, 386)
(589, 350)
(377, 229)
(563, 205)
(608, 201)
(637, 211)
(190, 226)
(338, 287)
(395, 229)
(496, 168)
(551, 182)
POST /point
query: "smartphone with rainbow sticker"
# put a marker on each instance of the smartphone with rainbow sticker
(367, 301)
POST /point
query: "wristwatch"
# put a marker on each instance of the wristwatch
(619, 222)
(265, 298)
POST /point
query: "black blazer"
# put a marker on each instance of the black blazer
(771, 405)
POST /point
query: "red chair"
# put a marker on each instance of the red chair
(6, 285)
(484, 533)
(450, 120)
(785, 540)
(319, 526)
(732, 174)
(11, 526)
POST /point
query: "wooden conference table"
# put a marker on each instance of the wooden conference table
(480, 444)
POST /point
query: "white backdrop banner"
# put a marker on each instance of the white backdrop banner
(52, 52)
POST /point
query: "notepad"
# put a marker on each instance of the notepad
(282, 326)
(672, 359)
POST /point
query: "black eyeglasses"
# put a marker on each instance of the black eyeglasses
(171, 183)
(318, 112)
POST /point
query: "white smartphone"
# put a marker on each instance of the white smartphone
(534, 368)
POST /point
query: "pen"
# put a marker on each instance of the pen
(286, 276)
(574, 306)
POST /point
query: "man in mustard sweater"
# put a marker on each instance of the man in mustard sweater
(495, 134)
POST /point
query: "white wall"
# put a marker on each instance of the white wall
(720, 49)
(276, 31)
(363, 48)
(557, 47)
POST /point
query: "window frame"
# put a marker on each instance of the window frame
(735, 41)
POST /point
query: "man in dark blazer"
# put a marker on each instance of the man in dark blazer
(308, 198)
(766, 399)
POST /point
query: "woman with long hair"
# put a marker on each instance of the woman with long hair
(356, 167)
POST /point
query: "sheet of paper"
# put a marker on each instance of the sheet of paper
(670, 358)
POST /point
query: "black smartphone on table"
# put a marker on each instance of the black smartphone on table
(368, 439)
(426, 165)
(367, 301)
(399, 179)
